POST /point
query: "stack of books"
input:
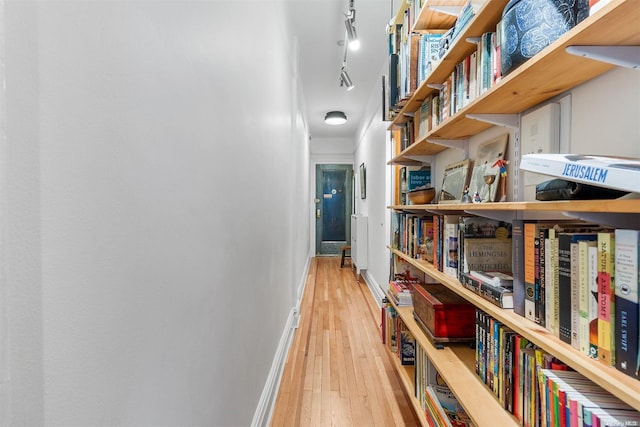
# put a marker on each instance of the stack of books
(400, 291)
(495, 286)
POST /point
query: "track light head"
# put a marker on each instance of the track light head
(352, 35)
(345, 80)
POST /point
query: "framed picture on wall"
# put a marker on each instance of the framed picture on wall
(363, 181)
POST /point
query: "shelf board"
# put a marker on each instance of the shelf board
(631, 206)
(456, 364)
(551, 72)
(617, 383)
(483, 21)
(429, 19)
(406, 374)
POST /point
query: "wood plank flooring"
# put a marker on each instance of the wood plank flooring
(338, 373)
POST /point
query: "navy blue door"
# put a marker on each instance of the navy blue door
(333, 207)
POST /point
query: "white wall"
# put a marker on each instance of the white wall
(371, 149)
(151, 259)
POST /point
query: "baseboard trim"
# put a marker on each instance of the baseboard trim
(374, 288)
(264, 410)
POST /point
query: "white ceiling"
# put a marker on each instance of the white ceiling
(319, 26)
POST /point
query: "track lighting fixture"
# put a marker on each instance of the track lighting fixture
(335, 118)
(345, 80)
(352, 36)
(350, 41)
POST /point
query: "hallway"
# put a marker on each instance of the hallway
(338, 373)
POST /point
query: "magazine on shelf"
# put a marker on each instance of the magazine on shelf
(619, 173)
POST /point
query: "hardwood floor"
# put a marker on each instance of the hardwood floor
(338, 373)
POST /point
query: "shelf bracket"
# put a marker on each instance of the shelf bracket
(461, 144)
(421, 159)
(612, 219)
(448, 10)
(473, 40)
(435, 86)
(622, 56)
(506, 120)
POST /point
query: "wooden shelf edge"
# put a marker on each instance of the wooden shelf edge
(617, 383)
(600, 206)
(407, 382)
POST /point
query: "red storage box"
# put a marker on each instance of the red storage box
(443, 315)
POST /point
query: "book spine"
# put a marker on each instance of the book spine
(498, 295)
(626, 293)
(593, 301)
(575, 295)
(542, 306)
(517, 243)
(583, 295)
(564, 285)
(530, 271)
(606, 295)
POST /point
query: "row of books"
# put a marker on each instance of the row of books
(440, 406)
(581, 283)
(538, 389)
(413, 53)
(506, 362)
(569, 399)
(397, 337)
(413, 234)
(577, 280)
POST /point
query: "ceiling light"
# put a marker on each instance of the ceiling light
(345, 80)
(335, 118)
(352, 36)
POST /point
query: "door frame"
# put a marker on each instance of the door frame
(346, 159)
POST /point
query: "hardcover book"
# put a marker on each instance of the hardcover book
(567, 272)
(486, 245)
(606, 297)
(626, 292)
(619, 173)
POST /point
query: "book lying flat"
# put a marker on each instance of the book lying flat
(619, 173)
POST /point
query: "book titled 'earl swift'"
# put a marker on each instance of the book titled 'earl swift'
(620, 173)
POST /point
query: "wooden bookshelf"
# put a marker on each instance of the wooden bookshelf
(549, 73)
(456, 365)
(608, 377)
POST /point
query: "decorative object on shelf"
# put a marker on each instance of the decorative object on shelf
(528, 26)
(421, 196)
(363, 181)
(454, 181)
(489, 180)
(466, 198)
(443, 315)
(502, 164)
(488, 154)
(335, 118)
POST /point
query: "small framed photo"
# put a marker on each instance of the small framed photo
(363, 181)
(485, 176)
(454, 182)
